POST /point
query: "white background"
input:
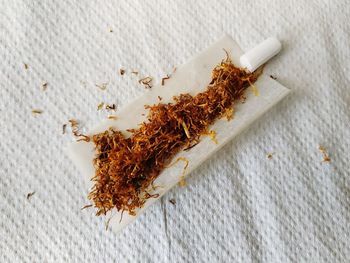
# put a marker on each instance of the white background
(237, 207)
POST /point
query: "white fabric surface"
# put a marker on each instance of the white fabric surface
(239, 206)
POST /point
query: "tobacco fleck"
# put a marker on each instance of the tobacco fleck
(86, 206)
(273, 77)
(191, 146)
(76, 133)
(165, 78)
(44, 86)
(29, 195)
(37, 111)
(126, 166)
(134, 72)
(326, 157)
(112, 117)
(172, 201)
(122, 71)
(100, 106)
(269, 156)
(212, 135)
(102, 86)
(147, 82)
(243, 99)
(64, 126)
(25, 66)
(107, 222)
(229, 113)
(110, 107)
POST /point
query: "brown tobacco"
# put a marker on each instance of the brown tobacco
(126, 166)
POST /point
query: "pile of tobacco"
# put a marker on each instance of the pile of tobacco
(127, 166)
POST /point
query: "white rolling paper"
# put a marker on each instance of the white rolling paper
(193, 77)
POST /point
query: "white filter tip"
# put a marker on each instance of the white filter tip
(260, 54)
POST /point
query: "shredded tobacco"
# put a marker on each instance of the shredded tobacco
(127, 165)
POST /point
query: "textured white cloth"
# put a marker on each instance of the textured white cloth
(238, 207)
